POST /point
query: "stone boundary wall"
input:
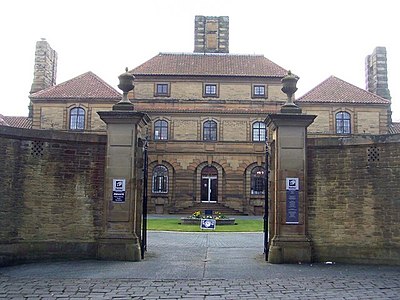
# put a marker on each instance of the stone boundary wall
(354, 199)
(51, 194)
(52, 189)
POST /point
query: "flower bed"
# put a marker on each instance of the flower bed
(196, 217)
(196, 221)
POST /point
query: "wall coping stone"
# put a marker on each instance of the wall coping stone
(51, 135)
(352, 140)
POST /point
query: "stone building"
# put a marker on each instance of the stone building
(343, 108)
(207, 137)
(73, 105)
(207, 110)
(205, 116)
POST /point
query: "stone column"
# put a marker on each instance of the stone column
(123, 203)
(289, 240)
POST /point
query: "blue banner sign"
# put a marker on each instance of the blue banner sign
(118, 193)
(292, 201)
(292, 207)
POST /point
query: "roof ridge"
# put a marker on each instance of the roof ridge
(209, 64)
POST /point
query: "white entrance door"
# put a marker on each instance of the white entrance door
(209, 188)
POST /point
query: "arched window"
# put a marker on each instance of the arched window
(77, 119)
(258, 132)
(257, 181)
(160, 179)
(343, 123)
(160, 130)
(210, 131)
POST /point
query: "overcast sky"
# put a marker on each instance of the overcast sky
(313, 38)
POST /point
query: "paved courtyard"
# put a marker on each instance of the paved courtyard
(205, 265)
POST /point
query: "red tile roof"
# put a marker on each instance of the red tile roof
(85, 86)
(394, 128)
(20, 122)
(335, 90)
(196, 64)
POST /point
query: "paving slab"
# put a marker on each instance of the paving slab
(206, 265)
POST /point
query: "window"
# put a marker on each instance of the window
(77, 119)
(210, 131)
(162, 89)
(343, 123)
(160, 179)
(160, 130)
(258, 91)
(257, 181)
(259, 132)
(210, 90)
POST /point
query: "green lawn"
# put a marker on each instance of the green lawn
(174, 225)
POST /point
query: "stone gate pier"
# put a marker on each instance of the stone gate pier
(120, 239)
(289, 240)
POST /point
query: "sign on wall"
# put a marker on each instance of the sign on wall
(292, 200)
(118, 190)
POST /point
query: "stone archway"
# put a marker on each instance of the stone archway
(212, 170)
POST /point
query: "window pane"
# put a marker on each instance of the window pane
(73, 122)
(210, 131)
(161, 130)
(160, 179)
(257, 181)
(259, 90)
(259, 132)
(162, 88)
(77, 119)
(80, 123)
(210, 89)
(343, 123)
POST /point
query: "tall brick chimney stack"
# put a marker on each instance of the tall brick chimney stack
(376, 79)
(211, 34)
(45, 69)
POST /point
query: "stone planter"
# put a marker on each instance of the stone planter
(194, 221)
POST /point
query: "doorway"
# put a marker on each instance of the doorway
(209, 185)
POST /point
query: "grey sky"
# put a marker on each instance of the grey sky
(315, 39)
